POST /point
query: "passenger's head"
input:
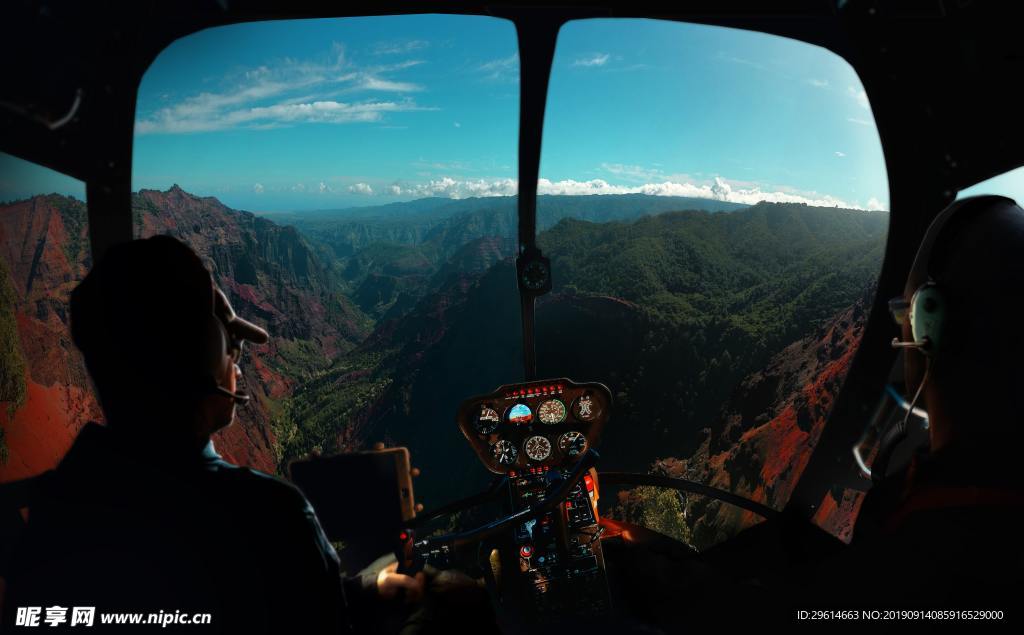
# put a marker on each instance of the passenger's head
(159, 338)
(975, 388)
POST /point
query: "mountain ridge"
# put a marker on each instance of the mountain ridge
(671, 351)
(690, 317)
(269, 272)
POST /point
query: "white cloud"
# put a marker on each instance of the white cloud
(288, 92)
(740, 60)
(596, 59)
(875, 205)
(840, 154)
(859, 122)
(384, 85)
(258, 188)
(717, 189)
(396, 47)
(398, 66)
(818, 83)
(360, 188)
(264, 117)
(324, 188)
(859, 96)
(448, 187)
(457, 124)
(501, 69)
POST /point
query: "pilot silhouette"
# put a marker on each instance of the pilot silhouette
(942, 533)
(142, 515)
(941, 524)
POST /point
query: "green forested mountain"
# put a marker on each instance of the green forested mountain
(389, 254)
(672, 311)
(761, 267)
(451, 223)
(683, 314)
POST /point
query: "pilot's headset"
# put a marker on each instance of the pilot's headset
(928, 315)
(927, 310)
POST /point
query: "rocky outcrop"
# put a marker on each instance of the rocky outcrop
(760, 445)
(44, 247)
(270, 273)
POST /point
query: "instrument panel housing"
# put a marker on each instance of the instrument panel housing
(587, 410)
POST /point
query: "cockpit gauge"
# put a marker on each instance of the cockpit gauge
(536, 275)
(538, 448)
(487, 420)
(504, 452)
(586, 408)
(551, 411)
(572, 443)
(541, 425)
(520, 414)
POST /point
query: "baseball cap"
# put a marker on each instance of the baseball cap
(141, 316)
(236, 326)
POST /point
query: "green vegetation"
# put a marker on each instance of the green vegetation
(391, 255)
(655, 508)
(73, 214)
(315, 417)
(760, 268)
(12, 364)
(300, 360)
(671, 311)
(713, 297)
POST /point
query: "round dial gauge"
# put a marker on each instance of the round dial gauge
(535, 275)
(487, 420)
(504, 452)
(572, 443)
(537, 448)
(551, 411)
(520, 414)
(586, 408)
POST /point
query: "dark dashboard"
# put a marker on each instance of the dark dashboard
(535, 425)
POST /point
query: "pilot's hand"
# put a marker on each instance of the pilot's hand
(390, 583)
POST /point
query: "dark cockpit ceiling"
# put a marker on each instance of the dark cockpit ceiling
(937, 74)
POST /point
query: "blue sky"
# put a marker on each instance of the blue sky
(360, 111)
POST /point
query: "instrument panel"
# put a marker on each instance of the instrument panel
(538, 424)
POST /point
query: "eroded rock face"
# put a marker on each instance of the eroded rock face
(760, 445)
(44, 247)
(269, 272)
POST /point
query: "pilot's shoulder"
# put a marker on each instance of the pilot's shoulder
(265, 489)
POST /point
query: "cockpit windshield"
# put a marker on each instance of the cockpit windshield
(375, 159)
(713, 203)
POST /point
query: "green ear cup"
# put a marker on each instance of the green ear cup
(927, 313)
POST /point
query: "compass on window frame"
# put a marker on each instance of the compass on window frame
(534, 272)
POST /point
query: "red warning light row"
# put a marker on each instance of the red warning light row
(541, 469)
(535, 391)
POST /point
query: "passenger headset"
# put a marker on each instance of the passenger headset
(928, 304)
(928, 316)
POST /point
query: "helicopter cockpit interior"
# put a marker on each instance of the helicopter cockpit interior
(612, 280)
